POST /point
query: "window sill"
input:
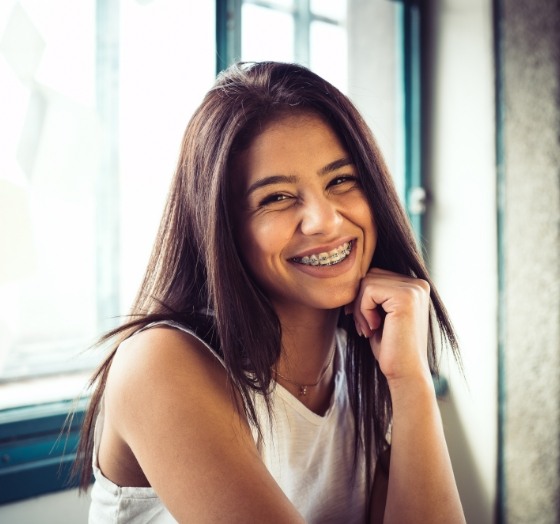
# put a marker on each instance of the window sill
(42, 390)
(36, 456)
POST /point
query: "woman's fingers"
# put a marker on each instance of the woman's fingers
(382, 292)
(391, 310)
(368, 321)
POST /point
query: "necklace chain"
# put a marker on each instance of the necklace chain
(303, 387)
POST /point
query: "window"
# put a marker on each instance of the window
(93, 114)
(310, 33)
(50, 140)
(95, 98)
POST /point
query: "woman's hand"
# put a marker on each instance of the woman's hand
(392, 310)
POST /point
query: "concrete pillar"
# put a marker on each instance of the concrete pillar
(529, 60)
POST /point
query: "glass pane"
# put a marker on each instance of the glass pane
(328, 53)
(72, 97)
(266, 34)
(49, 136)
(335, 9)
(162, 80)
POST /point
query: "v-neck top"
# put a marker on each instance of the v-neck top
(311, 457)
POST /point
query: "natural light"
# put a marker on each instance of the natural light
(92, 117)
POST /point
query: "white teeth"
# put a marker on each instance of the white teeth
(334, 256)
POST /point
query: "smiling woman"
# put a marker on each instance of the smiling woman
(282, 342)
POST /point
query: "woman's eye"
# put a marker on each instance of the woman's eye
(272, 199)
(343, 180)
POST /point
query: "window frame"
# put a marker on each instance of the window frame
(22, 362)
(36, 455)
(410, 25)
(229, 28)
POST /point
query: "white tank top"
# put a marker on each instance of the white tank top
(311, 457)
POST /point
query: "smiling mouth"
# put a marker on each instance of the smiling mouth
(330, 258)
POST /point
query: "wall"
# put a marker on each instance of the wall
(373, 75)
(530, 76)
(461, 234)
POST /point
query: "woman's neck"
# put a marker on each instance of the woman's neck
(307, 361)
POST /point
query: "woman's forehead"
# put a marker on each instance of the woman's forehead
(290, 141)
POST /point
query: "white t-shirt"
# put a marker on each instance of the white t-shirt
(311, 458)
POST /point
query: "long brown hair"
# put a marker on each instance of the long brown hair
(187, 280)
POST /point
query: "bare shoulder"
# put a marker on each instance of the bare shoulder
(157, 378)
(163, 357)
(164, 376)
(168, 403)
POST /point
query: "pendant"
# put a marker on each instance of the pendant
(302, 391)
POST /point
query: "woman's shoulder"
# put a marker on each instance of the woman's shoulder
(169, 402)
(172, 334)
(162, 355)
(158, 377)
(162, 373)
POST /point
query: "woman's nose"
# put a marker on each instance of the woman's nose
(320, 216)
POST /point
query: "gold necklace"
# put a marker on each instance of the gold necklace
(303, 387)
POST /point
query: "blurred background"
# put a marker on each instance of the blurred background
(463, 97)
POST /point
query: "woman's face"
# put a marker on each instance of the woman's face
(304, 227)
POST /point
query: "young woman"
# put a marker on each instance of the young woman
(282, 342)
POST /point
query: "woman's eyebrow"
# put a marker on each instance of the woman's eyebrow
(333, 166)
(269, 180)
(291, 179)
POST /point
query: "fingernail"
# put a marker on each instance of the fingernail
(364, 330)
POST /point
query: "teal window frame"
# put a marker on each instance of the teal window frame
(36, 455)
(410, 24)
(229, 28)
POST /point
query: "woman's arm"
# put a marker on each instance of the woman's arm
(168, 400)
(392, 311)
(421, 483)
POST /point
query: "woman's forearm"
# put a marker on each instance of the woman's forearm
(421, 484)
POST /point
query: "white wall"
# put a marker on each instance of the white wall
(374, 82)
(462, 234)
